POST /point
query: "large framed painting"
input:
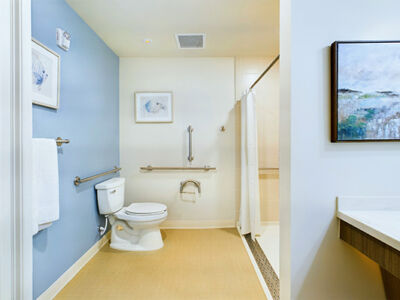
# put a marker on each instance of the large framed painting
(153, 107)
(365, 91)
(45, 76)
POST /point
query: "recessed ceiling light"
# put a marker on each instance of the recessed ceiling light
(147, 41)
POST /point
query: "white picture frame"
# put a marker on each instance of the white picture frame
(153, 107)
(45, 76)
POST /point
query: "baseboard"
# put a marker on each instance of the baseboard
(62, 281)
(256, 268)
(203, 224)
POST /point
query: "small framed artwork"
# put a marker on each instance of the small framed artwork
(45, 76)
(365, 91)
(153, 107)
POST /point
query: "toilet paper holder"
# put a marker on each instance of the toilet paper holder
(195, 182)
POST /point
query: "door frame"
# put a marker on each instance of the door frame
(15, 150)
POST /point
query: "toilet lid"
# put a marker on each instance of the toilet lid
(145, 208)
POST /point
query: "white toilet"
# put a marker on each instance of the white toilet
(135, 227)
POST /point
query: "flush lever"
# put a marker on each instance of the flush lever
(113, 192)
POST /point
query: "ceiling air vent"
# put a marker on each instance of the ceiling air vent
(191, 40)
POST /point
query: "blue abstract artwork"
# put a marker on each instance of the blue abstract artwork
(154, 106)
(367, 91)
(45, 76)
(40, 71)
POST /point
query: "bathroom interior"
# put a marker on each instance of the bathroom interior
(200, 149)
(166, 130)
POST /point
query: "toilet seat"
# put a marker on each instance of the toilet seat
(145, 208)
(143, 212)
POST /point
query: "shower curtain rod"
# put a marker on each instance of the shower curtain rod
(265, 72)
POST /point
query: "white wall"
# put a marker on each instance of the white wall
(248, 69)
(203, 91)
(315, 171)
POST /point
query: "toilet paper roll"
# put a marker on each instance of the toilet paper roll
(190, 194)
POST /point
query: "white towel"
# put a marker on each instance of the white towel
(45, 190)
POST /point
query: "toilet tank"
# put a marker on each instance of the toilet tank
(110, 195)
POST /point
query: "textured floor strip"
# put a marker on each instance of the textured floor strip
(270, 277)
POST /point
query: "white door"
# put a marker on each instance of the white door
(15, 160)
(5, 155)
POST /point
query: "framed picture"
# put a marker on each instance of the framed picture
(45, 76)
(153, 107)
(365, 91)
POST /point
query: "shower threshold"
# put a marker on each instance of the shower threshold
(265, 250)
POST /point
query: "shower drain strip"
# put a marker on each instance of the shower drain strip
(268, 273)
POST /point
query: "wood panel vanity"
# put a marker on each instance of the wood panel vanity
(372, 226)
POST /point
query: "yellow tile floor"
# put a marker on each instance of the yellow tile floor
(194, 264)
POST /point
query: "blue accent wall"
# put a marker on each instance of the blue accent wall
(89, 117)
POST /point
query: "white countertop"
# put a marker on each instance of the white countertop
(378, 217)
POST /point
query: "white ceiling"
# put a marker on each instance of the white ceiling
(232, 27)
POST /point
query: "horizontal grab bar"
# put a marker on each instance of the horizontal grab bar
(205, 168)
(79, 180)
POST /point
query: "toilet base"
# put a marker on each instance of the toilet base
(128, 238)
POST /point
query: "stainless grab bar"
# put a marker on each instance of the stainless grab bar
(205, 168)
(79, 180)
(190, 157)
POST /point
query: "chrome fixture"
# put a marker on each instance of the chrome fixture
(196, 183)
(60, 141)
(190, 130)
(79, 180)
(205, 168)
(102, 229)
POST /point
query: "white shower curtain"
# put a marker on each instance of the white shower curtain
(249, 218)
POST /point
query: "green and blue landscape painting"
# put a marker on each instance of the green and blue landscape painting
(368, 91)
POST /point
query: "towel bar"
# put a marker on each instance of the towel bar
(79, 180)
(60, 141)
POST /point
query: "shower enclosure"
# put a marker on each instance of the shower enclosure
(259, 205)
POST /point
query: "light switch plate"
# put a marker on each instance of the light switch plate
(63, 39)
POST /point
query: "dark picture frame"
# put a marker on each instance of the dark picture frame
(358, 124)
